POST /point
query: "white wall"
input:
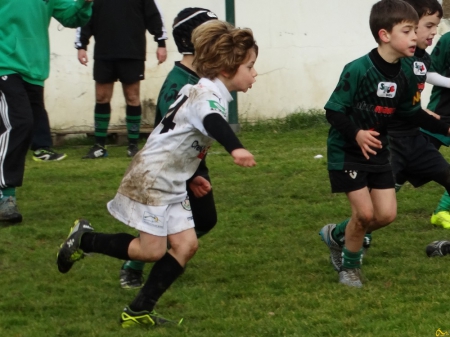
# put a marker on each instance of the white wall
(303, 46)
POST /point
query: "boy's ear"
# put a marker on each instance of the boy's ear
(224, 74)
(384, 35)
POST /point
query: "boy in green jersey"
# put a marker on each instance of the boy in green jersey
(413, 157)
(371, 89)
(199, 186)
(24, 66)
(440, 104)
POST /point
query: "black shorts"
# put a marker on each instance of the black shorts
(125, 70)
(351, 180)
(416, 159)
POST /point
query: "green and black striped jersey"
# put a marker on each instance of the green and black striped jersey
(177, 78)
(368, 98)
(440, 96)
(415, 68)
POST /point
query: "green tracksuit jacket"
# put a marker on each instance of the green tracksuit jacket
(24, 39)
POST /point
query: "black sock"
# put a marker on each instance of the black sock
(114, 245)
(164, 272)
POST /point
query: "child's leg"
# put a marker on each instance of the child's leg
(370, 210)
(362, 215)
(166, 270)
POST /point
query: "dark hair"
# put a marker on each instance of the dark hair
(385, 14)
(426, 7)
(185, 23)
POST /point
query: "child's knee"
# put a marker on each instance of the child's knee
(153, 255)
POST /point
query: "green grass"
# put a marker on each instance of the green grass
(263, 270)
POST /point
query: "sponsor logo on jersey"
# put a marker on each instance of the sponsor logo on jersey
(216, 107)
(186, 204)
(416, 98)
(4, 78)
(387, 89)
(421, 86)
(419, 68)
(202, 149)
(152, 219)
(385, 110)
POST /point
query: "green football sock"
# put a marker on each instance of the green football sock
(133, 123)
(102, 115)
(136, 265)
(338, 233)
(8, 192)
(444, 203)
(351, 260)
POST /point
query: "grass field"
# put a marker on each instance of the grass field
(263, 270)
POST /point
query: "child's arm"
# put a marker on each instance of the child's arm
(426, 121)
(365, 138)
(438, 80)
(221, 131)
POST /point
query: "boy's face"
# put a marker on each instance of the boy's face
(402, 39)
(245, 76)
(427, 29)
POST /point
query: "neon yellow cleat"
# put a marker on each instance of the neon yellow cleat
(129, 318)
(441, 218)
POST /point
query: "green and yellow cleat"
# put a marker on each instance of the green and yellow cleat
(129, 318)
(441, 218)
(70, 251)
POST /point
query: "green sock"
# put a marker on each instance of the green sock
(8, 192)
(136, 265)
(133, 123)
(351, 260)
(338, 233)
(102, 115)
(444, 203)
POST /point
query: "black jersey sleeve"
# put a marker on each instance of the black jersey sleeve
(424, 120)
(342, 123)
(154, 22)
(202, 170)
(221, 131)
(83, 34)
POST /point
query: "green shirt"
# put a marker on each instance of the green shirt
(177, 78)
(440, 97)
(24, 46)
(368, 98)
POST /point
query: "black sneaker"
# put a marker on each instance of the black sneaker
(438, 248)
(47, 154)
(131, 278)
(97, 151)
(9, 211)
(70, 251)
(132, 150)
(129, 318)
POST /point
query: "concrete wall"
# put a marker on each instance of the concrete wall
(303, 47)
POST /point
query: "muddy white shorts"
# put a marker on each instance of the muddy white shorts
(156, 220)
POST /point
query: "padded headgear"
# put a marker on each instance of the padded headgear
(184, 24)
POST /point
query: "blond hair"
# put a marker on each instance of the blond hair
(219, 46)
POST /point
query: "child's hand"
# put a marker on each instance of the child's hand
(366, 139)
(200, 186)
(243, 158)
(435, 115)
